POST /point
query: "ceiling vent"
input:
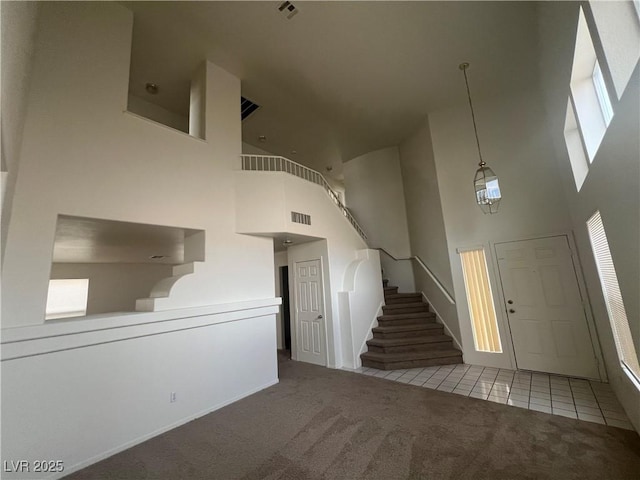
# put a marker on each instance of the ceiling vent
(247, 107)
(288, 9)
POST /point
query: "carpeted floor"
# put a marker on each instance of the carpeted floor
(329, 424)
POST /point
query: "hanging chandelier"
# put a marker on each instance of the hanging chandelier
(485, 181)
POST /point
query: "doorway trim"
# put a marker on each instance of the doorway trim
(584, 296)
(293, 299)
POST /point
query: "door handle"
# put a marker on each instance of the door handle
(319, 317)
(510, 302)
(511, 310)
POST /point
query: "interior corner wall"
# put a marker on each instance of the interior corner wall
(426, 225)
(533, 202)
(280, 260)
(19, 20)
(145, 108)
(375, 196)
(196, 124)
(113, 287)
(249, 149)
(422, 198)
(612, 186)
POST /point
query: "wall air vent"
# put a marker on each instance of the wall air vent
(301, 218)
(288, 9)
(247, 107)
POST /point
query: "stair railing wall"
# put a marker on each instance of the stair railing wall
(424, 266)
(264, 163)
(446, 311)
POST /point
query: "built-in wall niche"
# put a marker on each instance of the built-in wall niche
(161, 90)
(103, 266)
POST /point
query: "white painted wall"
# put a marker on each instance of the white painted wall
(264, 204)
(249, 149)
(154, 112)
(427, 231)
(375, 196)
(171, 178)
(612, 185)
(113, 287)
(83, 394)
(618, 31)
(18, 41)
(101, 162)
(533, 204)
(354, 301)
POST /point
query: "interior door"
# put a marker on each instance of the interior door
(544, 307)
(310, 326)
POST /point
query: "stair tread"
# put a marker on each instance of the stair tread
(403, 316)
(405, 305)
(403, 295)
(396, 342)
(403, 356)
(407, 328)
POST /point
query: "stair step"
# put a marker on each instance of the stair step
(392, 320)
(412, 344)
(405, 308)
(407, 331)
(415, 315)
(394, 361)
(390, 290)
(395, 298)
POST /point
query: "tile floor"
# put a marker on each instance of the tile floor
(570, 397)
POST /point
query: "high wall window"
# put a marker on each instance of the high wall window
(613, 298)
(603, 95)
(67, 298)
(589, 110)
(480, 299)
(573, 139)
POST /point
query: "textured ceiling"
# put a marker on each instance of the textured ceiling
(340, 78)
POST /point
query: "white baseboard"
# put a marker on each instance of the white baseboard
(144, 438)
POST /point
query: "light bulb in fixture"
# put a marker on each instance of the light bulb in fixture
(152, 88)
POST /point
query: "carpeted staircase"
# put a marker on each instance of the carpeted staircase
(408, 336)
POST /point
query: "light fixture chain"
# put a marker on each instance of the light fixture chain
(473, 117)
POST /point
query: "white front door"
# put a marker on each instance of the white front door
(310, 326)
(544, 307)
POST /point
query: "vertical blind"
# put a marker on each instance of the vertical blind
(480, 300)
(612, 296)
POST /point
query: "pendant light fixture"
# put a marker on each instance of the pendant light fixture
(485, 181)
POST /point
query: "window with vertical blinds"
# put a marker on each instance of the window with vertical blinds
(480, 299)
(612, 296)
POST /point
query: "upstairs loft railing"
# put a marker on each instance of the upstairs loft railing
(265, 163)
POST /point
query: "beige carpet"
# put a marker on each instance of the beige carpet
(326, 424)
